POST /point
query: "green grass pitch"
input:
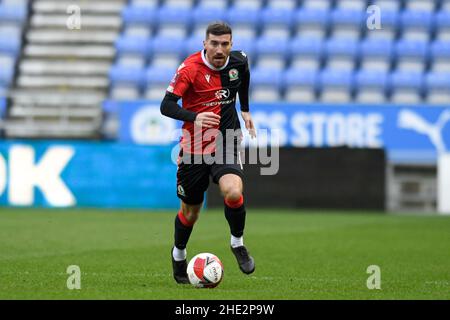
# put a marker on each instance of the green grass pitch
(298, 254)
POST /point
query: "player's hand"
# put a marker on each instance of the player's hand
(207, 120)
(249, 124)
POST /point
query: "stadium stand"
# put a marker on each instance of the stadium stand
(300, 51)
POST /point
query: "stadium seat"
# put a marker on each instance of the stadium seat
(254, 4)
(158, 79)
(244, 44)
(9, 44)
(335, 86)
(300, 85)
(445, 5)
(420, 5)
(359, 5)
(411, 55)
(144, 3)
(281, 4)
(311, 23)
(194, 44)
(389, 26)
(341, 54)
(202, 16)
(131, 60)
(438, 88)
(137, 31)
(174, 22)
(317, 4)
(167, 51)
(124, 92)
(13, 13)
(266, 85)
(127, 75)
(244, 21)
(371, 86)
(135, 45)
(271, 53)
(442, 20)
(387, 5)
(219, 4)
(140, 14)
(406, 87)
(416, 25)
(346, 23)
(6, 75)
(185, 4)
(277, 22)
(376, 54)
(306, 53)
(440, 53)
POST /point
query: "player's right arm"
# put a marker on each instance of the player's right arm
(177, 88)
(171, 109)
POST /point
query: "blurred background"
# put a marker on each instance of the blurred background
(359, 89)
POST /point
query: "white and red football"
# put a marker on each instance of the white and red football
(205, 270)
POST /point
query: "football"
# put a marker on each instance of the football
(205, 270)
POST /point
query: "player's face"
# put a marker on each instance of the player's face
(217, 49)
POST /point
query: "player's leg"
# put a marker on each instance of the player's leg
(184, 223)
(192, 181)
(231, 186)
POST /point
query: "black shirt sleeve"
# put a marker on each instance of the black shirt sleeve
(171, 109)
(243, 90)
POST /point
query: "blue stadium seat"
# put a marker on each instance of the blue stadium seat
(12, 13)
(371, 86)
(266, 85)
(271, 52)
(174, 22)
(311, 22)
(416, 25)
(167, 51)
(306, 53)
(442, 20)
(440, 53)
(140, 15)
(244, 21)
(6, 75)
(300, 85)
(244, 44)
(277, 22)
(194, 43)
(411, 55)
(135, 45)
(376, 54)
(336, 86)
(202, 16)
(126, 74)
(351, 4)
(389, 21)
(9, 44)
(438, 88)
(158, 79)
(406, 87)
(341, 53)
(346, 23)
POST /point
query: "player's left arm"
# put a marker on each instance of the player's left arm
(244, 101)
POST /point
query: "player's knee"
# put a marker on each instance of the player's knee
(233, 194)
(191, 215)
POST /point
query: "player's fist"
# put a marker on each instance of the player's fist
(249, 124)
(207, 120)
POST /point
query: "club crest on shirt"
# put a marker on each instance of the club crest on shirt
(234, 74)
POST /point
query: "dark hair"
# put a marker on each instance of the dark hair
(218, 29)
